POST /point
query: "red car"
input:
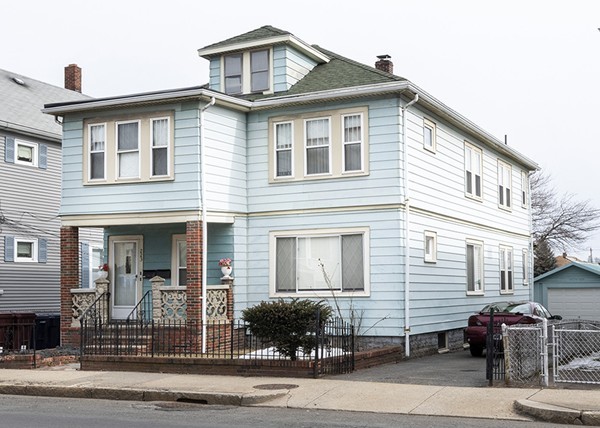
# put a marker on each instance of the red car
(508, 313)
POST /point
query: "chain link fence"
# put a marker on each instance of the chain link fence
(562, 351)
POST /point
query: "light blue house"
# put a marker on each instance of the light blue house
(318, 176)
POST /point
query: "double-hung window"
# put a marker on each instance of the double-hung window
(474, 267)
(233, 74)
(97, 165)
(429, 135)
(506, 270)
(321, 262)
(259, 71)
(284, 144)
(128, 149)
(504, 185)
(160, 147)
(179, 263)
(352, 138)
(318, 153)
(524, 189)
(473, 171)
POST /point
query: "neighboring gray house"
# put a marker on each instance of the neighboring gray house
(572, 291)
(30, 177)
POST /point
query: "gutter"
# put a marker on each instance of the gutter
(202, 199)
(406, 186)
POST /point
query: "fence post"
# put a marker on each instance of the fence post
(489, 353)
(318, 343)
(545, 351)
(232, 336)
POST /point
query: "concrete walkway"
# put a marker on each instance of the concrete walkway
(555, 405)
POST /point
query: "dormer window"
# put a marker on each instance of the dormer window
(233, 74)
(259, 75)
(247, 72)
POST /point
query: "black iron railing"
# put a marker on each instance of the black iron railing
(142, 312)
(17, 333)
(223, 339)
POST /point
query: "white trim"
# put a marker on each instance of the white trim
(305, 233)
(430, 258)
(34, 250)
(431, 125)
(524, 190)
(168, 147)
(477, 291)
(361, 142)
(525, 266)
(34, 153)
(329, 146)
(89, 152)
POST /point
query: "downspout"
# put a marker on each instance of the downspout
(405, 185)
(530, 255)
(202, 198)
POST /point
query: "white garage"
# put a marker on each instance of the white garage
(574, 303)
(572, 291)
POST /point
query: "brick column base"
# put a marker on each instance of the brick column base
(69, 278)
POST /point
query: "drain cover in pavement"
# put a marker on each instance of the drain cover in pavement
(276, 386)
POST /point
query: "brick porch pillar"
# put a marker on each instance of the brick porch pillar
(69, 278)
(193, 233)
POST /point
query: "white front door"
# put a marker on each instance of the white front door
(126, 274)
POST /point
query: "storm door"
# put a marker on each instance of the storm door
(126, 274)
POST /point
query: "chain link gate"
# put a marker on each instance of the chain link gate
(577, 352)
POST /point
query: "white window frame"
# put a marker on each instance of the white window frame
(360, 142)
(470, 151)
(328, 145)
(504, 189)
(525, 266)
(94, 267)
(430, 251)
(90, 152)
(120, 152)
(153, 148)
(175, 257)
(316, 233)
(507, 269)
(429, 125)
(34, 153)
(478, 283)
(276, 150)
(34, 250)
(524, 189)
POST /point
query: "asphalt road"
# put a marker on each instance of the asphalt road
(450, 369)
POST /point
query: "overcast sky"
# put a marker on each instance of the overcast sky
(528, 69)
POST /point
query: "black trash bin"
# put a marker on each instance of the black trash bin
(47, 327)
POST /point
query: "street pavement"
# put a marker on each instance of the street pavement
(382, 389)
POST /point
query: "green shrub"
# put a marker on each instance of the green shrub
(288, 325)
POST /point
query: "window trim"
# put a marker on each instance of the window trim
(480, 291)
(431, 125)
(524, 189)
(473, 195)
(360, 142)
(34, 250)
(276, 150)
(92, 268)
(34, 153)
(306, 233)
(329, 146)
(504, 201)
(430, 258)
(152, 147)
(90, 152)
(175, 239)
(505, 249)
(525, 266)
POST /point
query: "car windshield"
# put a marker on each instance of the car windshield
(512, 307)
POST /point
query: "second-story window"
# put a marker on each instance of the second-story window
(474, 267)
(97, 169)
(352, 140)
(524, 189)
(160, 147)
(429, 135)
(506, 270)
(504, 185)
(233, 74)
(283, 149)
(317, 146)
(259, 71)
(128, 149)
(473, 169)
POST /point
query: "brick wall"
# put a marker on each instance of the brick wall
(69, 278)
(193, 232)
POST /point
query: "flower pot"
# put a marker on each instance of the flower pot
(226, 271)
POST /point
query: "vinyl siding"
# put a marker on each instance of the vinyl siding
(289, 66)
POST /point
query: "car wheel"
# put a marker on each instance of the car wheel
(476, 350)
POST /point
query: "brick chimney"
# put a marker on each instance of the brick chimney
(73, 77)
(384, 63)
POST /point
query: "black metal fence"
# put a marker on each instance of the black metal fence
(18, 334)
(495, 369)
(333, 351)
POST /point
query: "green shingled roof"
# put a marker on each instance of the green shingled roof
(264, 32)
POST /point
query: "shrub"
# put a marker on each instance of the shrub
(288, 325)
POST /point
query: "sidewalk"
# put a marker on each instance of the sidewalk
(556, 405)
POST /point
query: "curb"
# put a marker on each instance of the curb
(131, 394)
(557, 414)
